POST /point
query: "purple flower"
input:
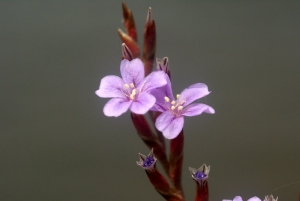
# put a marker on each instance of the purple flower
(132, 90)
(200, 174)
(171, 121)
(147, 162)
(239, 198)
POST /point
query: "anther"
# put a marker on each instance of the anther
(166, 99)
(132, 85)
(180, 108)
(173, 102)
(126, 86)
(132, 94)
(173, 107)
(177, 96)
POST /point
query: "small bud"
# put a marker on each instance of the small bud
(271, 198)
(129, 22)
(149, 43)
(149, 16)
(147, 162)
(126, 53)
(200, 174)
(130, 43)
(162, 64)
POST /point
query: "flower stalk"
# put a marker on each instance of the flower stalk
(159, 182)
(145, 132)
(176, 159)
(200, 176)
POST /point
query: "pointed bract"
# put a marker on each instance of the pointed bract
(126, 53)
(271, 198)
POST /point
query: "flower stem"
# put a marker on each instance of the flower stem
(176, 159)
(144, 131)
(202, 191)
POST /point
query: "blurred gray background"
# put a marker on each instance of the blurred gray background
(56, 143)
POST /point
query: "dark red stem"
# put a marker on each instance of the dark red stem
(202, 191)
(176, 159)
(145, 132)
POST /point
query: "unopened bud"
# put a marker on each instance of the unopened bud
(126, 53)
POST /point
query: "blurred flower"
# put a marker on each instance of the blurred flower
(132, 90)
(271, 198)
(201, 173)
(147, 162)
(171, 121)
(238, 198)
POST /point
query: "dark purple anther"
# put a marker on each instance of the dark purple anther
(148, 161)
(200, 175)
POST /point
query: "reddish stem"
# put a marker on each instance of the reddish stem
(176, 159)
(202, 191)
(162, 186)
(145, 132)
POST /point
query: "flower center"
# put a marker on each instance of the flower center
(174, 106)
(130, 91)
(148, 161)
(200, 175)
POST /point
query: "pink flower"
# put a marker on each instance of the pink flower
(239, 198)
(171, 121)
(132, 91)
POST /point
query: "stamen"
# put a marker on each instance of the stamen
(173, 107)
(132, 94)
(166, 99)
(132, 85)
(177, 96)
(173, 102)
(180, 108)
(126, 86)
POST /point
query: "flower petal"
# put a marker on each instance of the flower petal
(254, 199)
(132, 71)
(116, 106)
(143, 103)
(237, 198)
(153, 80)
(196, 109)
(169, 125)
(111, 87)
(160, 104)
(160, 94)
(193, 93)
